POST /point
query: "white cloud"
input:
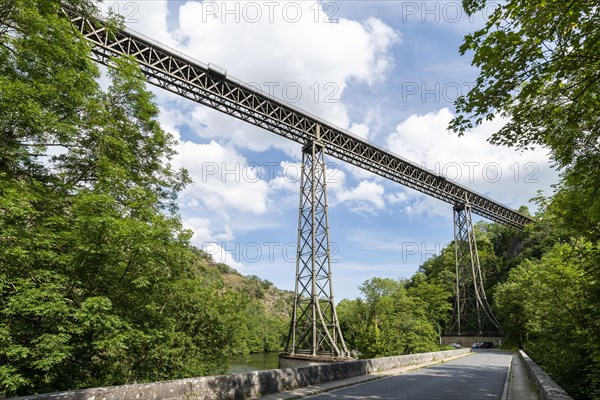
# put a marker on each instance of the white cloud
(360, 130)
(419, 204)
(223, 179)
(313, 60)
(366, 192)
(365, 196)
(221, 255)
(296, 49)
(289, 178)
(322, 60)
(212, 242)
(207, 123)
(280, 48)
(204, 231)
(507, 176)
(148, 18)
(396, 198)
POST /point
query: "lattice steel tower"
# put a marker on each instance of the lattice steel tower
(314, 329)
(472, 312)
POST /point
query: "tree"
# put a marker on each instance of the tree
(435, 298)
(549, 307)
(46, 78)
(441, 267)
(388, 321)
(354, 323)
(539, 67)
(98, 283)
(435, 282)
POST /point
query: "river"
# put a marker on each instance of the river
(254, 362)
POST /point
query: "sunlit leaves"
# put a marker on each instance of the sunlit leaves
(538, 66)
(550, 306)
(390, 321)
(98, 283)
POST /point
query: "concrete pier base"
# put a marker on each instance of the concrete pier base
(468, 340)
(298, 360)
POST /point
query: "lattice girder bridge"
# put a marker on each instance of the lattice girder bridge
(209, 85)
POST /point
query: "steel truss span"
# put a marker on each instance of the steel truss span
(210, 86)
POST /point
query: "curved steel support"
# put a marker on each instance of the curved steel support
(472, 312)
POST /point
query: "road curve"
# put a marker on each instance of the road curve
(476, 377)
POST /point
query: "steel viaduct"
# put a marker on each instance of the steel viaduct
(314, 329)
(315, 335)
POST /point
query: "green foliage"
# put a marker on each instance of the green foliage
(263, 316)
(100, 286)
(576, 202)
(46, 78)
(538, 65)
(441, 268)
(434, 297)
(435, 282)
(261, 330)
(544, 286)
(550, 307)
(391, 320)
(98, 282)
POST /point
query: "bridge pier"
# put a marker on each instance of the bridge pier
(315, 335)
(472, 313)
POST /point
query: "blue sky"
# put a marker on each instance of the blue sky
(388, 71)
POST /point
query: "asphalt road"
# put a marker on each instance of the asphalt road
(479, 376)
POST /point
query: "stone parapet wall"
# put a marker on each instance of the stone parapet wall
(250, 384)
(546, 387)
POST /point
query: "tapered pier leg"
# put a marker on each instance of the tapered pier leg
(472, 313)
(315, 335)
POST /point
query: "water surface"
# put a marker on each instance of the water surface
(254, 362)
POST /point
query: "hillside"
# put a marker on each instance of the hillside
(264, 310)
(276, 302)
